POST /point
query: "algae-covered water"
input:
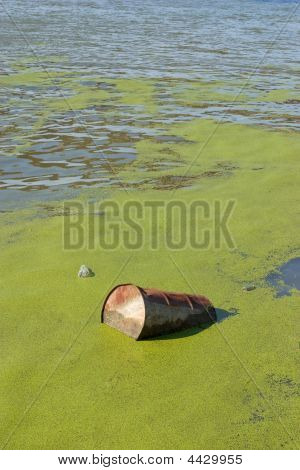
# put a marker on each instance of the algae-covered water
(149, 101)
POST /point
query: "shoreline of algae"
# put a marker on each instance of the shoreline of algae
(110, 391)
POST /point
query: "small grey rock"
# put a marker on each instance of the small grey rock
(249, 287)
(84, 271)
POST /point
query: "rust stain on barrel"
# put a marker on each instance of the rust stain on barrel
(143, 313)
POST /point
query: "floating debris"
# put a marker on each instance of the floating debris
(249, 287)
(143, 313)
(85, 271)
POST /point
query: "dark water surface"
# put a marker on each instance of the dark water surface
(286, 278)
(53, 50)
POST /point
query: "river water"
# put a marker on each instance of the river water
(52, 50)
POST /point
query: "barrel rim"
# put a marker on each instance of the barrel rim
(113, 289)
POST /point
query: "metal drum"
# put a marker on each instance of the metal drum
(144, 313)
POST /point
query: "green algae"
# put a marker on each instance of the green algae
(281, 96)
(246, 145)
(41, 120)
(199, 93)
(137, 92)
(66, 92)
(31, 76)
(214, 150)
(83, 99)
(38, 60)
(84, 385)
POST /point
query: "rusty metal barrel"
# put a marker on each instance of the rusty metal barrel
(143, 313)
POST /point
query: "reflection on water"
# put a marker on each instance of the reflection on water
(109, 74)
(286, 278)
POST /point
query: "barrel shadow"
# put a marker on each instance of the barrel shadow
(221, 316)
